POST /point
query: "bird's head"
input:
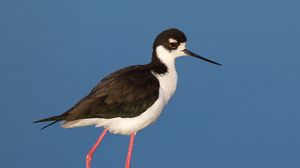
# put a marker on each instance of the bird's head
(171, 44)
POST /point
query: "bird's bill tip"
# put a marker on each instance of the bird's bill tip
(187, 52)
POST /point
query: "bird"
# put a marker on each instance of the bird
(131, 98)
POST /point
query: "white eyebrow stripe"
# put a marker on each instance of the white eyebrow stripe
(171, 40)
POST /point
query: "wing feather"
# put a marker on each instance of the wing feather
(126, 93)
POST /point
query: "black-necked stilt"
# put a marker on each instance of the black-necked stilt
(130, 99)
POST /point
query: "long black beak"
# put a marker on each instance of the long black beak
(187, 52)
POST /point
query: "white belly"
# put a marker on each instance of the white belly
(126, 126)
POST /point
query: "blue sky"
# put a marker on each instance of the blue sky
(244, 114)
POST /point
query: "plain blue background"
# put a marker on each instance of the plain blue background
(245, 114)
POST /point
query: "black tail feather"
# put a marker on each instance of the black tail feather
(49, 124)
(55, 119)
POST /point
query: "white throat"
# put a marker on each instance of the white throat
(168, 57)
(165, 57)
(168, 80)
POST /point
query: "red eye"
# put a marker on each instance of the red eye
(173, 45)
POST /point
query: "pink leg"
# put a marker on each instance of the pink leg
(130, 147)
(89, 156)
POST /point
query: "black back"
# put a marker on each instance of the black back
(125, 93)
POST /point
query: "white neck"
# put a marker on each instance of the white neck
(168, 80)
(166, 57)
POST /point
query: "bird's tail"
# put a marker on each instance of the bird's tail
(54, 120)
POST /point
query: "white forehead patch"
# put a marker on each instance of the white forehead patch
(181, 46)
(171, 40)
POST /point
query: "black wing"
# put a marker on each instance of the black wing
(124, 93)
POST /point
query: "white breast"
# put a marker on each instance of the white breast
(168, 83)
